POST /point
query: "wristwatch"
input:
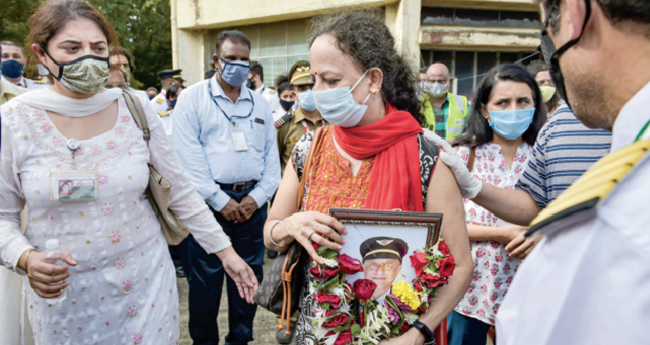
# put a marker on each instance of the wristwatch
(429, 338)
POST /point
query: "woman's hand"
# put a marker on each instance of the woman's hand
(521, 246)
(411, 337)
(42, 275)
(510, 232)
(312, 226)
(240, 272)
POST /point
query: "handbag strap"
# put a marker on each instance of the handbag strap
(135, 108)
(296, 248)
(307, 167)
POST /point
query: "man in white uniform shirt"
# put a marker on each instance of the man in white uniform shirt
(588, 281)
(255, 82)
(13, 67)
(167, 79)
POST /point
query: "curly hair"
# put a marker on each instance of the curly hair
(364, 36)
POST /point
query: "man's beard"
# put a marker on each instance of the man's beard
(589, 101)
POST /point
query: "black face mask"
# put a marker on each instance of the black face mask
(552, 55)
(250, 83)
(287, 105)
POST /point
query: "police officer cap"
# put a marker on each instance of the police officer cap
(170, 73)
(299, 74)
(383, 248)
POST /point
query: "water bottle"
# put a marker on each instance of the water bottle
(52, 255)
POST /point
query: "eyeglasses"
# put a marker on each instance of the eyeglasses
(552, 54)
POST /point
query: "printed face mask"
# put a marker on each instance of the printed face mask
(511, 124)
(306, 100)
(234, 73)
(436, 89)
(338, 107)
(87, 74)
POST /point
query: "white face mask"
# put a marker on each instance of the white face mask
(436, 89)
(338, 107)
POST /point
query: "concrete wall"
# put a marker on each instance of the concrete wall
(193, 14)
(403, 20)
(454, 37)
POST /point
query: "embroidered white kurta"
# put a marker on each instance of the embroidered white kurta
(123, 290)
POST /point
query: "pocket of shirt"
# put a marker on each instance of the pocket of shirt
(255, 137)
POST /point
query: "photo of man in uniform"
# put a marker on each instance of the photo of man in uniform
(382, 262)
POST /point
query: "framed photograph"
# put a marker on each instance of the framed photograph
(383, 241)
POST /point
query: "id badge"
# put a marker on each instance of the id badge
(239, 141)
(73, 186)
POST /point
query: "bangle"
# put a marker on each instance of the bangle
(27, 259)
(425, 330)
(271, 236)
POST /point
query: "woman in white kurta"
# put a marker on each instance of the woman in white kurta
(122, 289)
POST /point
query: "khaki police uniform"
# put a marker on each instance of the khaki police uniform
(290, 128)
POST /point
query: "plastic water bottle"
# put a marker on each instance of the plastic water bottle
(52, 255)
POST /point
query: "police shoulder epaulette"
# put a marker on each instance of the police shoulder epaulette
(164, 113)
(43, 82)
(284, 119)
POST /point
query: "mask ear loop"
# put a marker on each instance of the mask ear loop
(357, 83)
(56, 63)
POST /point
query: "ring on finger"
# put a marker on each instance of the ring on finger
(310, 235)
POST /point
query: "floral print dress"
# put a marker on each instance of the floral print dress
(493, 269)
(123, 290)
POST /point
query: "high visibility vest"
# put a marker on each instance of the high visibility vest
(455, 121)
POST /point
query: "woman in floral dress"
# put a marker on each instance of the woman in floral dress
(120, 282)
(506, 116)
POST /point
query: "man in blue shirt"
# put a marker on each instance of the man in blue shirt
(225, 140)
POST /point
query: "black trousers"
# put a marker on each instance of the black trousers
(205, 275)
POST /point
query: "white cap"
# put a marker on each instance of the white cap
(52, 245)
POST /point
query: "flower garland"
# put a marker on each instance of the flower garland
(346, 314)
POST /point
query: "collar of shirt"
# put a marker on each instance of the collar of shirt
(631, 119)
(217, 91)
(21, 82)
(443, 108)
(298, 116)
(260, 89)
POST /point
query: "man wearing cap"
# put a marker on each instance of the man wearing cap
(255, 82)
(304, 119)
(167, 78)
(382, 261)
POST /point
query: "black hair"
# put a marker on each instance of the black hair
(173, 90)
(615, 10)
(282, 84)
(233, 35)
(363, 34)
(257, 69)
(280, 79)
(424, 70)
(479, 131)
(539, 66)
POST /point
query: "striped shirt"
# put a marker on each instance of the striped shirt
(564, 150)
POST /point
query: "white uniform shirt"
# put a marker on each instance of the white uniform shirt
(270, 96)
(588, 281)
(159, 103)
(29, 84)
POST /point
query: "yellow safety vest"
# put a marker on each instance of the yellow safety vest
(455, 121)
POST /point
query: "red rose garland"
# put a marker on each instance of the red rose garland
(349, 313)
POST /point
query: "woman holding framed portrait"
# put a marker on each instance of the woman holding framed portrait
(373, 156)
(507, 113)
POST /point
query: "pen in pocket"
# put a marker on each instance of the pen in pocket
(251, 123)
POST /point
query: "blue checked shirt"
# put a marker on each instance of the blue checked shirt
(204, 118)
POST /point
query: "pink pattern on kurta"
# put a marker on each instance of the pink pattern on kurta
(493, 269)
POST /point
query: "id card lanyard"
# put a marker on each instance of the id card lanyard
(238, 137)
(73, 145)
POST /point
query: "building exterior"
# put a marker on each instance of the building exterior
(469, 36)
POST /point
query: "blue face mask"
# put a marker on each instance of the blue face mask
(511, 124)
(338, 107)
(172, 103)
(234, 72)
(12, 69)
(306, 100)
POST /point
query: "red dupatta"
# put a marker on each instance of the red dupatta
(395, 181)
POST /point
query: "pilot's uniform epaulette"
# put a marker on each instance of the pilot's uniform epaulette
(42, 82)
(284, 119)
(164, 113)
